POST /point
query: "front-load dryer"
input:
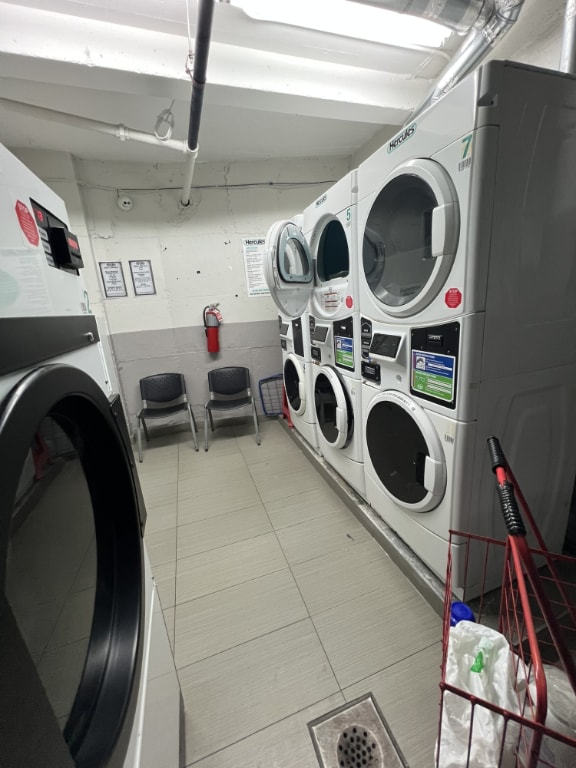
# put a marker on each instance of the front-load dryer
(337, 400)
(427, 413)
(329, 227)
(468, 210)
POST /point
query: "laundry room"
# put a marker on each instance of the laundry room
(287, 384)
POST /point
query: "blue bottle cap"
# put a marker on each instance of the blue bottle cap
(460, 612)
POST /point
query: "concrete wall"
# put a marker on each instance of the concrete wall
(196, 257)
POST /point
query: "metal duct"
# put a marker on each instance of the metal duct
(568, 55)
(458, 15)
(485, 21)
(476, 46)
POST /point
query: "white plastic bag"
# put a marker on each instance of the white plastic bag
(561, 717)
(478, 662)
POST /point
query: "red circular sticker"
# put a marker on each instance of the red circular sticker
(453, 298)
(27, 223)
(349, 302)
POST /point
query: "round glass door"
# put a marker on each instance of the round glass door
(411, 237)
(288, 268)
(334, 411)
(71, 575)
(405, 452)
(294, 384)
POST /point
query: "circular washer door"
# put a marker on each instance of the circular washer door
(405, 451)
(71, 575)
(411, 237)
(295, 384)
(329, 245)
(288, 268)
(334, 411)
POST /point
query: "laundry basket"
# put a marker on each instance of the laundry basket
(271, 394)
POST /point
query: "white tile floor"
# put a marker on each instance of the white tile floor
(279, 605)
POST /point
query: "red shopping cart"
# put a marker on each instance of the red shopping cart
(534, 609)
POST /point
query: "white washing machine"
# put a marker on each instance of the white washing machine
(469, 209)
(82, 646)
(289, 273)
(427, 412)
(336, 389)
(337, 399)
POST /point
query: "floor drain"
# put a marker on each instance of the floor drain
(357, 748)
(355, 735)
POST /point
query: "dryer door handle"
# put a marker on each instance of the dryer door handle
(341, 421)
(434, 476)
(444, 230)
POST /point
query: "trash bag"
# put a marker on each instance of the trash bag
(479, 663)
(561, 717)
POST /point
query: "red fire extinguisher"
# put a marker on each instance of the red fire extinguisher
(212, 320)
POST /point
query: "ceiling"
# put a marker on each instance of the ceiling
(273, 90)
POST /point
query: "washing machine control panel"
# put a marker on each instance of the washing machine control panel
(434, 353)
(371, 371)
(365, 337)
(297, 337)
(385, 345)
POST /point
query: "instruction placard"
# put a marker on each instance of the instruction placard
(254, 249)
(113, 279)
(142, 277)
(344, 351)
(434, 375)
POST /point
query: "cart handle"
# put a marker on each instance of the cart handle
(508, 504)
(524, 562)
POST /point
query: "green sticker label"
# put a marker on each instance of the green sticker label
(434, 375)
(344, 352)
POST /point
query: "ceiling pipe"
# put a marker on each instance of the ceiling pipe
(201, 50)
(476, 46)
(568, 54)
(118, 131)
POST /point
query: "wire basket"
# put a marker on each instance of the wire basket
(534, 608)
(271, 390)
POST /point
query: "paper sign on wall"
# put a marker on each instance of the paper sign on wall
(142, 277)
(113, 279)
(254, 254)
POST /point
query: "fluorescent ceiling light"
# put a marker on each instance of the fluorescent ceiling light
(340, 17)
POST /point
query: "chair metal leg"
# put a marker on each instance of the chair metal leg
(193, 427)
(139, 442)
(256, 426)
(206, 414)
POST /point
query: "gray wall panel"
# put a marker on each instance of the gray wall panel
(183, 350)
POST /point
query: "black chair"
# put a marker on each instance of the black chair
(163, 395)
(229, 389)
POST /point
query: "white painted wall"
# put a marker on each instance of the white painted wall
(196, 257)
(196, 253)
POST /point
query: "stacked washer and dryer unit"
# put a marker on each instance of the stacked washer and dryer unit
(87, 673)
(468, 237)
(289, 273)
(311, 269)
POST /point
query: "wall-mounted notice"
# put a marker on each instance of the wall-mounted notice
(254, 252)
(142, 278)
(113, 279)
